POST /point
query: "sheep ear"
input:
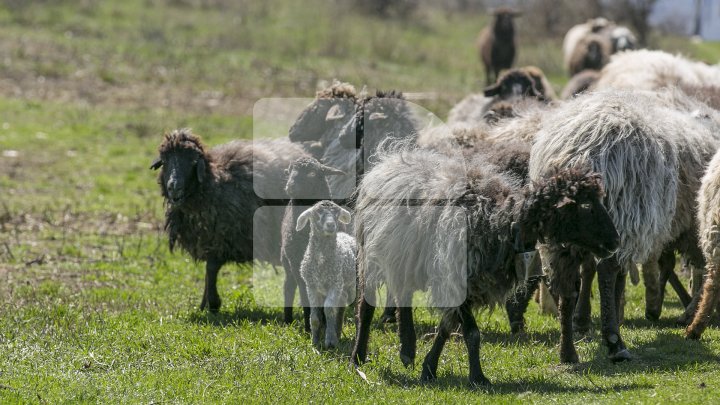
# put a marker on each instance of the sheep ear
(344, 216)
(564, 201)
(492, 91)
(334, 113)
(156, 164)
(303, 219)
(200, 169)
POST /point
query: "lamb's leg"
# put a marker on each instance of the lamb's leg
(289, 295)
(564, 265)
(517, 304)
(364, 314)
(651, 279)
(568, 354)
(305, 302)
(331, 307)
(406, 330)
(707, 304)
(581, 317)
(316, 307)
(448, 322)
(609, 275)
(211, 298)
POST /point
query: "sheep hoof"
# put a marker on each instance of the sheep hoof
(388, 318)
(517, 327)
(682, 321)
(692, 334)
(622, 355)
(652, 315)
(406, 360)
(480, 382)
(427, 376)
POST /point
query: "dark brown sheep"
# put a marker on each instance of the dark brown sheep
(496, 44)
(211, 197)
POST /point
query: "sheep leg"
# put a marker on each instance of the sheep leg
(211, 298)
(471, 333)
(305, 302)
(667, 274)
(518, 303)
(429, 368)
(581, 321)
(568, 354)
(364, 315)
(651, 279)
(609, 275)
(289, 296)
(331, 307)
(406, 330)
(707, 304)
(316, 308)
(388, 315)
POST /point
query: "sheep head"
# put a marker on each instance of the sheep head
(566, 208)
(324, 217)
(184, 165)
(503, 22)
(333, 104)
(306, 178)
(515, 83)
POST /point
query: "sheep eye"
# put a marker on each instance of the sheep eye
(585, 206)
(311, 174)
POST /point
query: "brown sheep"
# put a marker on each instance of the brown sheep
(592, 52)
(496, 44)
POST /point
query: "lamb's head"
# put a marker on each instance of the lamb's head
(378, 117)
(324, 218)
(306, 178)
(333, 105)
(184, 163)
(515, 83)
(503, 23)
(566, 208)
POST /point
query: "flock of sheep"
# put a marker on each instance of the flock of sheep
(623, 171)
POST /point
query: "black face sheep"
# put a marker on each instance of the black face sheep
(513, 88)
(212, 195)
(647, 152)
(306, 185)
(328, 268)
(320, 121)
(496, 44)
(592, 52)
(377, 119)
(425, 220)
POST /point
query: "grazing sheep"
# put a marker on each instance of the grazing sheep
(580, 83)
(514, 87)
(426, 220)
(496, 44)
(648, 152)
(306, 185)
(328, 268)
(708, 223)
(212, 195)
(591, 52)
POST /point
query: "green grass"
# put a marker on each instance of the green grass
(93, 306)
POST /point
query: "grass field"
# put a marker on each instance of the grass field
(93, 306)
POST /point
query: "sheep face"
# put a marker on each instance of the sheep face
(324, 218)
(183, 164)
(306, 179)
(514, 84)
(595, 57)
(320, 115)
(575, 214)
(503, 25)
